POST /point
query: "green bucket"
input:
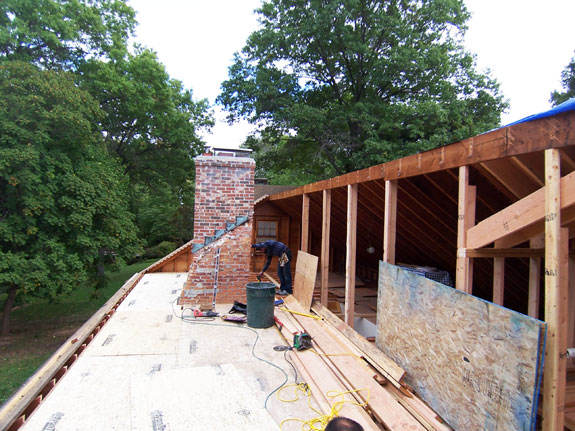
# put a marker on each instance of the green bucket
(261, 297)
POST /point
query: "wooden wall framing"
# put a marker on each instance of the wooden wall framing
(507, 162)
(350, 259)
(325, 232)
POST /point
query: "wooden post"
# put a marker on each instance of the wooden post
(305, 223)
(571, 308)
(465, 219)
(498, 280)
(535, 278)
(350, 253)
(555, 299)
(389, 224)
(325, 231)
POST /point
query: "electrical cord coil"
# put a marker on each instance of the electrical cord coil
(319, 422)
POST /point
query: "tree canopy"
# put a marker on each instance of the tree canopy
(359, 81)
(568, 83)
(63, 33)
(62, 206)
(96, 146)
(151, 125)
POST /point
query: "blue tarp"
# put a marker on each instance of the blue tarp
(568, 105)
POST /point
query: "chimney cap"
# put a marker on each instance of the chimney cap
(231, 152)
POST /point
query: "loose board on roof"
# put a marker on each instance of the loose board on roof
(305, 275)
(478, 365)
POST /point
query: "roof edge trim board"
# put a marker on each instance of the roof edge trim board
(527, 137)
(16, 406)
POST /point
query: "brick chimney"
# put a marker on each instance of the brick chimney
(223, 211)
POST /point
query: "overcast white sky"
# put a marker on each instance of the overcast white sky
(525, 44)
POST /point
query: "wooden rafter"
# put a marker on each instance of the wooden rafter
(521, 215)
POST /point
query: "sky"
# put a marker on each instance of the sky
(524, 44)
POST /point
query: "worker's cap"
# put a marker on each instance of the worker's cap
(258, 246)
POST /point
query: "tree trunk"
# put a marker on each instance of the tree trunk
(8, 304)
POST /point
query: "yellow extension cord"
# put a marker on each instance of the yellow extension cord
(320, 422)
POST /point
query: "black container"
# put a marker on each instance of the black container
(261, 297)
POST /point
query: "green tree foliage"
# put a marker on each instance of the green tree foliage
(151, 122)
(359, 81)
(568, 82)
(151, 125)
(63, 206)
(63, 33)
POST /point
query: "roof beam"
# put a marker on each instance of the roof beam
(529, 137)
(519, 216)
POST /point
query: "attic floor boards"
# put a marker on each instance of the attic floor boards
(148, 369)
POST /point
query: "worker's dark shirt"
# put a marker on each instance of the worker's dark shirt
(273, 248)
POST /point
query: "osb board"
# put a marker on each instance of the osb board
(305, 275)
(475, 363)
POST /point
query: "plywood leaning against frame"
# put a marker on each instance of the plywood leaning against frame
(478, 365)
(305, 275)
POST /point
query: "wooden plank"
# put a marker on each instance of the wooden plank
(389, 224)
(520, 215)
(305, 275)
(571, 313)
(498, 280)
(350, 369)
(350, 253)
(325, 232)
(535, 278)
(555, 297)
(475, 363)
(510, 177)
(537, 228)
(305, 223)
(501, 252)
(523, 138)
(321, 378)
(393, 372)
(465, 219)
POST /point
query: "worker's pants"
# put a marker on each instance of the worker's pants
(284, 274)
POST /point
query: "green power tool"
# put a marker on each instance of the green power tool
(302, 341)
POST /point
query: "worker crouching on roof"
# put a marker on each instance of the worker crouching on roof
(279, 249)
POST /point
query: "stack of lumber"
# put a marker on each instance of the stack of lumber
(342, 360)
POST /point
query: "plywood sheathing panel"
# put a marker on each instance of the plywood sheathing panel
(475, 363)
(305, 278)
